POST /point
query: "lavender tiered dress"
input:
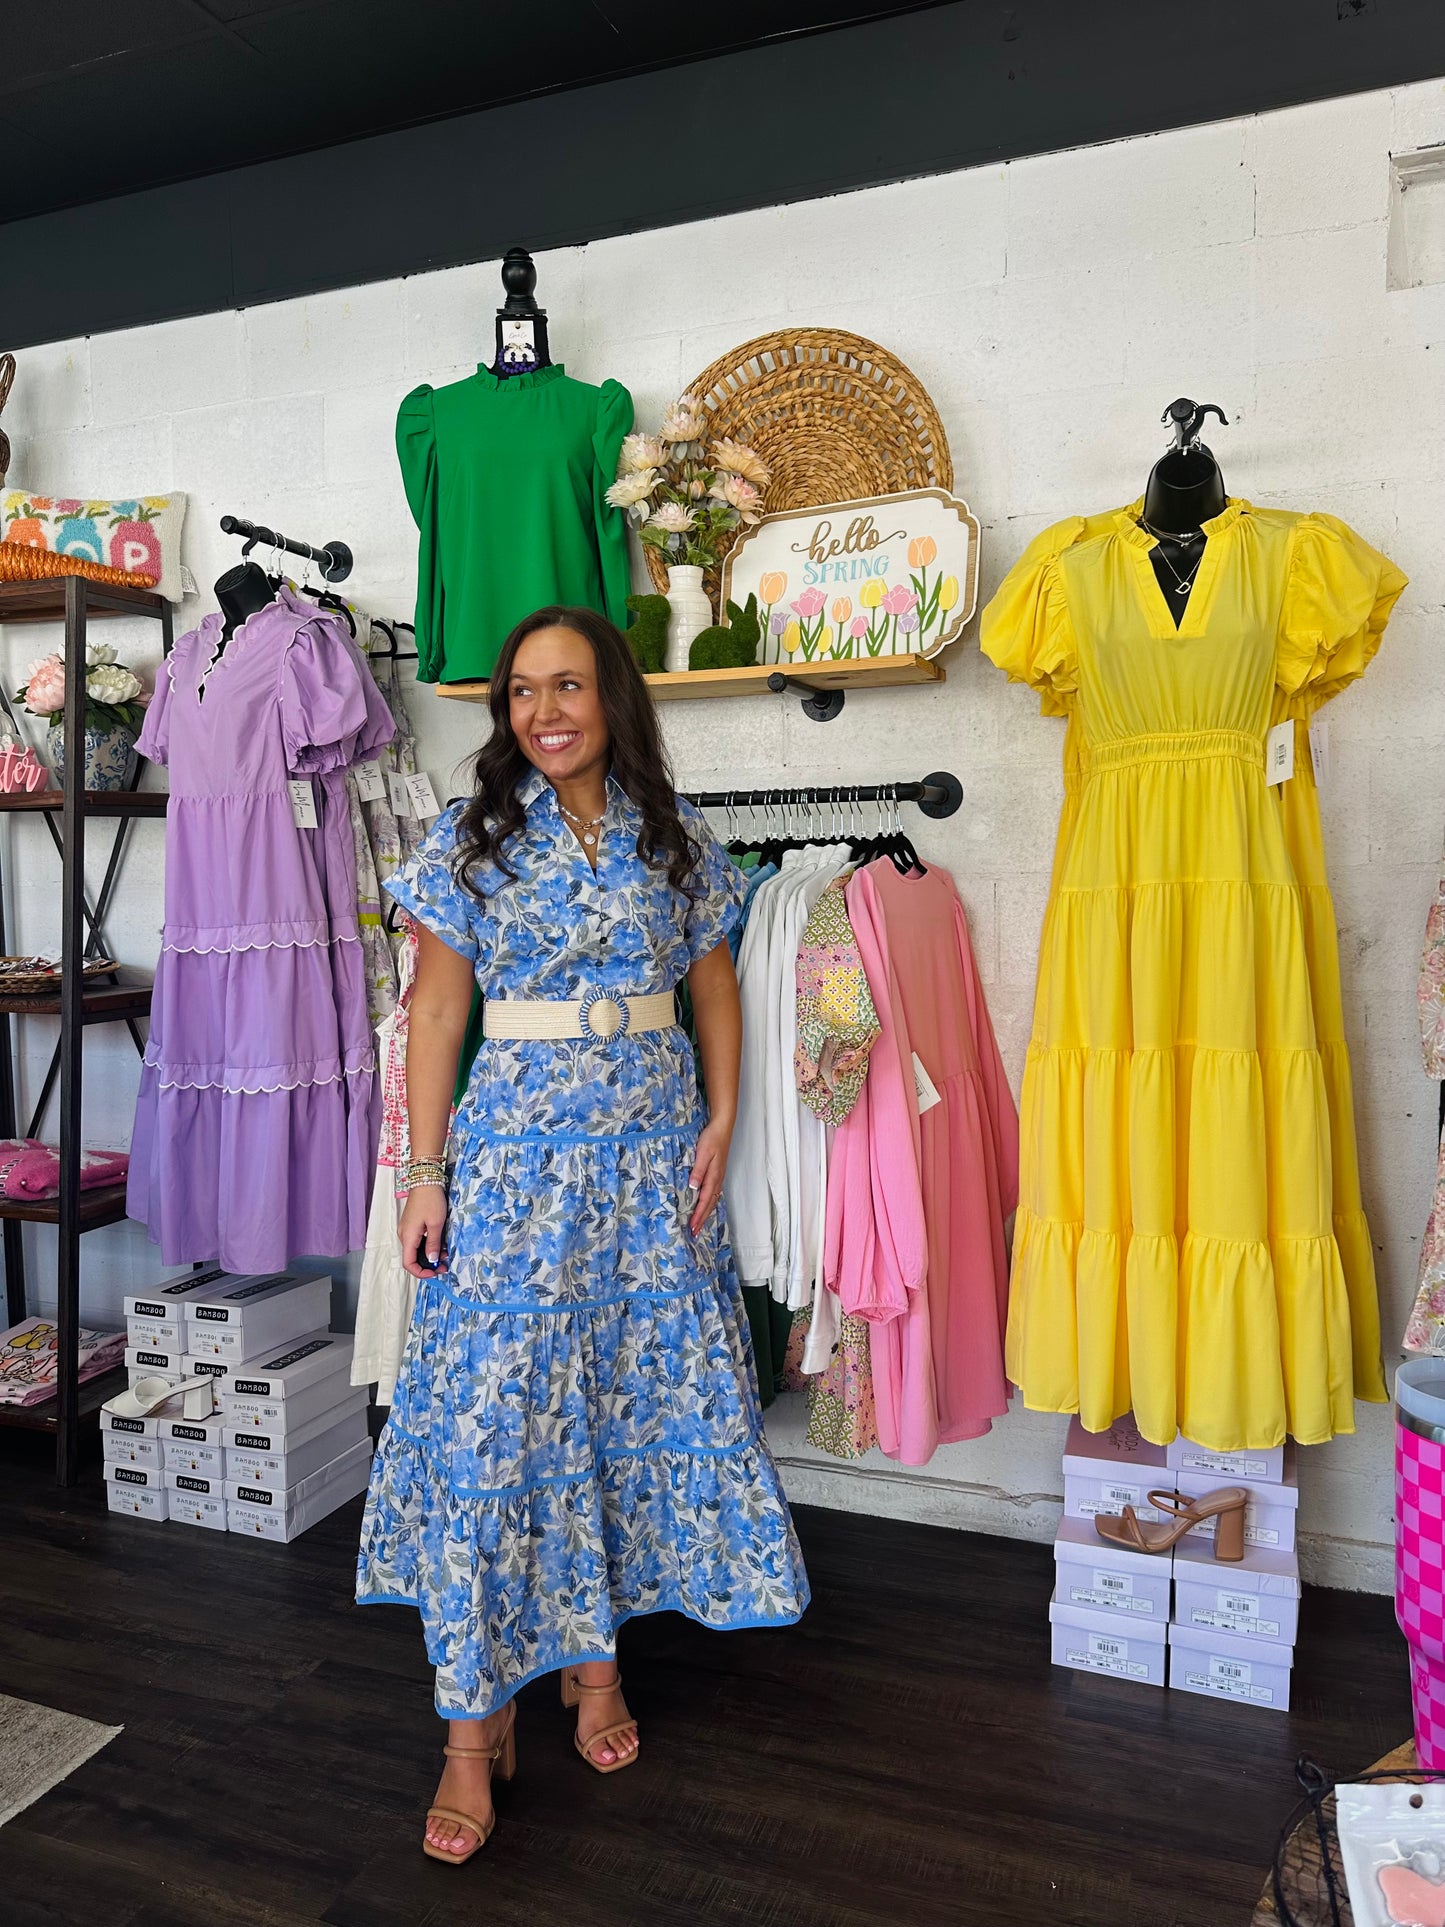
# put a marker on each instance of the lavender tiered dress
(256, 1124)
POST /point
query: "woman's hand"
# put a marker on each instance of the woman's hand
(422, 1230)
(709, 1165)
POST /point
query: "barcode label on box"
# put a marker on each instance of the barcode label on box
(1103, 1662)
(1236, 1622)
(1116, 1602)
(1231, 1669)
(1123, 1494)
(1233, 1464)
(1114, 1582)
(1236, 1689)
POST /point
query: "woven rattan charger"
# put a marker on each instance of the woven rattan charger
(834, 416)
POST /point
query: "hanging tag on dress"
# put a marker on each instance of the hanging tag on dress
(927, 1091)
(423, 797)
(303, 802)
(1320, 750)
(370, 786)
(1279, 753)
(400, 795)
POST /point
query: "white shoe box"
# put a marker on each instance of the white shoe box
(136, 1478)
(1226, 1666)
(281, 1393)
(192, 1445)
(197, 1509)
(1100, 1642)
(301, 1456)
(1104, 1578)
(256, 1315)
(1270, 1513)
(142, 1502)
(1258, 1598)
(271, 1514)
(1264, 1464)
(120, 1448)
(1105, 1471)
(158, 1317)
(155, 1361)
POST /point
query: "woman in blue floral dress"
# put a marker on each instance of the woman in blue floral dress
(576, 1436)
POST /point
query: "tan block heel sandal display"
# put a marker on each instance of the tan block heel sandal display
(1225, 1507)
(572, 1691)
(504, 1764)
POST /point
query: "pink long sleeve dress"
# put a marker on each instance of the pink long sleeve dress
(917, 1203)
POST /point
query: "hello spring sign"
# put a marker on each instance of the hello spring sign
(890, 575)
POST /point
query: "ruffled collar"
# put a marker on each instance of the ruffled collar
(1127, 521)
(535, 378)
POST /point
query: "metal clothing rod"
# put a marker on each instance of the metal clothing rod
(333, 558)
(939, 794)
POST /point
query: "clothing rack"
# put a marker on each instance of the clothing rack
(939, 794)
(334, 559)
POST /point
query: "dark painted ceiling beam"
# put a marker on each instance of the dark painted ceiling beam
(950, 87)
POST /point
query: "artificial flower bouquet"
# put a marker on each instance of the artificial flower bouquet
(113, 693)
(686, 498)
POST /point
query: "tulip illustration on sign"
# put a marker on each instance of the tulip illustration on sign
(840, 612)
(772, 587)
(808, 608)
(889, 575)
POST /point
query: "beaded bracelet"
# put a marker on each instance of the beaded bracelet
(426, 1171)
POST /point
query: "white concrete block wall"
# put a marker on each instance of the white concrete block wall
(1052, 307)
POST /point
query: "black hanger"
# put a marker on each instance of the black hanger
(329, 600)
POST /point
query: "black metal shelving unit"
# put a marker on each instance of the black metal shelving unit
(75, 601)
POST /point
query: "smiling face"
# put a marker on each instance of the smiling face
(555, 708)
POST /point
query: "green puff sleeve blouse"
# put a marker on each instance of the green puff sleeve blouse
(506, 480)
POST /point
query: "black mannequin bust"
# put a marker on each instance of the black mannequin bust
(1184, 491)
(241, 592)
(521, 324)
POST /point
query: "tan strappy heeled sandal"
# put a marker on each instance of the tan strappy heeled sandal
(504, 1764)
(572, 1691)
(1225, 1507)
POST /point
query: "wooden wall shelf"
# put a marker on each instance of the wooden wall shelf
(800, 678)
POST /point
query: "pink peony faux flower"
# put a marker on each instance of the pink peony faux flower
(45, 688)
(808, 604)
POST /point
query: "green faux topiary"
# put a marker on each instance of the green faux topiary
(735, 647)
(647, 632)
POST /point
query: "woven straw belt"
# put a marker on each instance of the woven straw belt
(597, 1015)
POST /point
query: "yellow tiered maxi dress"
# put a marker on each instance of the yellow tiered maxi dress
(1175, 1248)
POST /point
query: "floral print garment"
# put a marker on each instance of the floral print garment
(837, 1024)
(575, 1436)
(1425, 1331)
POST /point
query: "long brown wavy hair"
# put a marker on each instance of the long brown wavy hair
(639, 760)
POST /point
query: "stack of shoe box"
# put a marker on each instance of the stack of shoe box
(1230, 1633)
(1233, 1629)
(1110, 1610)
(135, 1448)
(296, 1438)
(288, 1440)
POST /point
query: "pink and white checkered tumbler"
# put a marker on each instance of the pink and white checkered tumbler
(1420, 1545)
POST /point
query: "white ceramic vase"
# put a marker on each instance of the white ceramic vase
(690, 612)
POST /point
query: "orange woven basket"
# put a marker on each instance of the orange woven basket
(23, 562)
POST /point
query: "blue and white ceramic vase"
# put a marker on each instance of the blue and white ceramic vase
(109, 758)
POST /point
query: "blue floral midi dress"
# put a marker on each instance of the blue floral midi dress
(576, 1436)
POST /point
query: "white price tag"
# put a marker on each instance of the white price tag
(370, 784)
(923, 1083)
(303, 802)
(1279, 753)
(1320, 750)
(400, 795)
(423, 797)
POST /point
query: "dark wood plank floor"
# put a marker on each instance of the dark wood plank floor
(906, 1755)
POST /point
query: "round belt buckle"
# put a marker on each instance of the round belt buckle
(604, 1016)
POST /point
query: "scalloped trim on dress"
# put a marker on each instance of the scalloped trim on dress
(258, 1090)
(271, 943)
